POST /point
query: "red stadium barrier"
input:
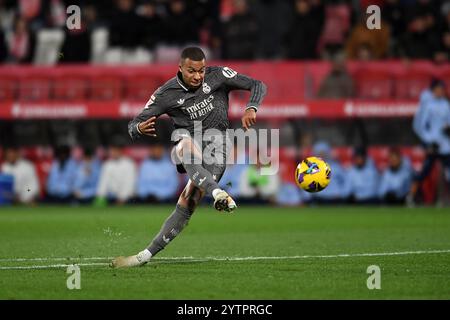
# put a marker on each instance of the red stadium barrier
(385, 89)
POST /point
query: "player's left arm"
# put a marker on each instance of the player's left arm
(258, 90)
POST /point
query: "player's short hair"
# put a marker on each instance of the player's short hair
(193, 53)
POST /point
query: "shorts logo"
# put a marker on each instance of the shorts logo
(206, 88)
(166, 240)
(228, 73)
(200, 181)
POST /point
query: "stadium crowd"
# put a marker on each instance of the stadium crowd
(87, 178)
(155, 30)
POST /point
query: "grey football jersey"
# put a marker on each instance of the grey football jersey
(208, 103)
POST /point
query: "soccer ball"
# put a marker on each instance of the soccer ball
(313, 174)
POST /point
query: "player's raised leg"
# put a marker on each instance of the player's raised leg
(190, 157)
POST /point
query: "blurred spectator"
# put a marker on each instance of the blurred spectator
(258, 187)
(240, 33)
(180, 27)
(77, 42)
(21, 42)
(157, 179)
(271, 34)
(338, 84)
(336, 26)
(363, 178)
(444, 23)
(26, 184)
(376, 40)
(117, 178)
(419, 41)
(302, 36)
(56, 13)
(60, 182)
(126, 27)
(432, 125)
(442, 53)
(87, 176)
(3, 47)
(426, 8)
(393, 13)
(290, 195)
(33, 12)
(339, 188)
(396, 179)
(152, 24)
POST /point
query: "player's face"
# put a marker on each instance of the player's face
(193, 72)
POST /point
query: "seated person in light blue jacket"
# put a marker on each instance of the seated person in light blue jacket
(60, 182)
(87, 176)
(396, 179)
(157, 178)
(432, 125)
(339, 188)
(363, 178)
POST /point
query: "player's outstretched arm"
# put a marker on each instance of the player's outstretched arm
(144, 122)
(258, 90)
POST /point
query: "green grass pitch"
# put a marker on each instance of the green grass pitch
(287, 253)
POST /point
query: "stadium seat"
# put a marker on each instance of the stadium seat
(373, 84)
(99, 45)
(35, 87)
(140, 87)
(70, 87)
(138, 154)
(106, 87)
(48, 47)
(379, 154)
(343, 155)
(8, 87)
(287, 163)
(409, 85)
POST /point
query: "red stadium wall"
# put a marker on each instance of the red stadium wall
(383, 89)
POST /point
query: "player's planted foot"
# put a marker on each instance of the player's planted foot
(223, 201)
(132, 261)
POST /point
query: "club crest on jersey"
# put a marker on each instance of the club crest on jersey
(206, 88)
(228, 72)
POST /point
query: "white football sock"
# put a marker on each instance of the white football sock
(215, 192)
(144, 256)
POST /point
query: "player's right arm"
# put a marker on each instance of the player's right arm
(144, 122)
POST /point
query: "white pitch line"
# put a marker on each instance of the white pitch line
(71, 259)
(68, 259)
(206, 259)
(52, 266)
